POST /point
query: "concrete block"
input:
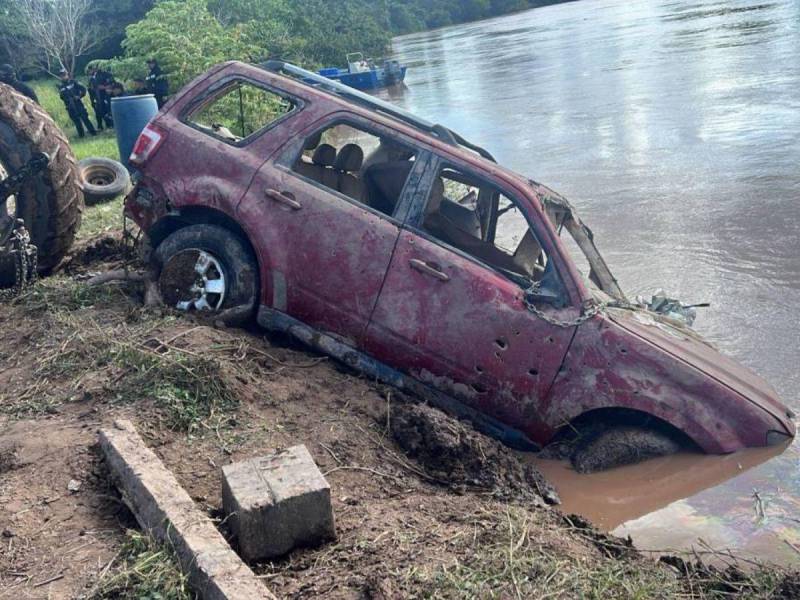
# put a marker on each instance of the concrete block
(277, 503)
(165, 511)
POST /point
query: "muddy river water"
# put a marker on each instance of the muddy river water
(674, 127)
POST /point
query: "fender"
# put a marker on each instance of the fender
(607, 367)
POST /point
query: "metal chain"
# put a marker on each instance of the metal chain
(26, 263)
(589, 309)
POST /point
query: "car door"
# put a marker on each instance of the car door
(453, 321)
(325, 255)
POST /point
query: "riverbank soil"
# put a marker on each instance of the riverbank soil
(424, 505)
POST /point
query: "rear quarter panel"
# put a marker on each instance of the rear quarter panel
(195, 168)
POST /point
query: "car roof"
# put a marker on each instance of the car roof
(349, 96)
(349, 99)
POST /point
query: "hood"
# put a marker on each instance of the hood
(686, 345)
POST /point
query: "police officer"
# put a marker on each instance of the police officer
(9, 76)
(99, 83)
(157, 83)
(72, 94)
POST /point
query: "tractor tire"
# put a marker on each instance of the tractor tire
(51, 204)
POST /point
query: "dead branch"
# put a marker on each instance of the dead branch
(117, 275)
(60, 29)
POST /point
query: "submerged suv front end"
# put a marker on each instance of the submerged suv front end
(630, 357)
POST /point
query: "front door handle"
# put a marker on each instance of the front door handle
(423, 267)
(286, 198)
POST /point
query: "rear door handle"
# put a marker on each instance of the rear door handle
(423, 267)
(286, 198)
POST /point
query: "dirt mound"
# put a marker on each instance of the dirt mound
(102, 248)
(454, 453)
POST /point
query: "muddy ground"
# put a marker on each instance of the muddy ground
(424, 505)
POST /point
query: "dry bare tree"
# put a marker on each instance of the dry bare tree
(60, 29)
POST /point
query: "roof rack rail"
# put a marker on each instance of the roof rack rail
(339, 89)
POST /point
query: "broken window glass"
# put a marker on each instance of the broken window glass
(478, 219)
(239, 111)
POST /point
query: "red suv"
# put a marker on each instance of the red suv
(407, 252)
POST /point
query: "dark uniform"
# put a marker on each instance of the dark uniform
(72, 94)
(9, 76)
(156, 83)
(99, 81)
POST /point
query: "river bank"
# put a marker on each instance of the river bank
(76, 358)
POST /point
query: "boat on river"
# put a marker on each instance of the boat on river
(365, 74)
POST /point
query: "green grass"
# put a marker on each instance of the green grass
(105, 144)
(100, 218)
(191, 391)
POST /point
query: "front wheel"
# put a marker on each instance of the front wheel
(622, 445)
(209, 269)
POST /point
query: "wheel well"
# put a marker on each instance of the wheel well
(619, 416)
(196, 215)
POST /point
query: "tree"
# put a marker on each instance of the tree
(332, 29)
(59, 29)
(186, 40)
(14, 41)
(112, 17)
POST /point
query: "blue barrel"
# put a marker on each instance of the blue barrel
(131, 115)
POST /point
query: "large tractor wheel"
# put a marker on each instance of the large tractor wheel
(51, 203)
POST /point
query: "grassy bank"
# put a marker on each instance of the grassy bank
(99, 218)
(104, 144)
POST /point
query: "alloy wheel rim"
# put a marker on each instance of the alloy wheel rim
(193, 279)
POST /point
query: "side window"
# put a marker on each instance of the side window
(366, 167)
(478, 219)
(238, 111)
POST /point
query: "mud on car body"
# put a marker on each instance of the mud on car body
(404, 250)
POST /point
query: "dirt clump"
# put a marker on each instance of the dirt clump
(8, 458)
(106, 249)
(454, 453)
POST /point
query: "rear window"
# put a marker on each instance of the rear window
(238, 111)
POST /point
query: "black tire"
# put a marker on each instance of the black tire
(51, 204)
(234, 256)
(622, 445)
(102, 179)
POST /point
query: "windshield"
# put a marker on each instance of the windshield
(579, 241)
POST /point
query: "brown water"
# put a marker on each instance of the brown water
(674, 127)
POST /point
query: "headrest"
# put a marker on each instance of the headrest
(437, 195)
(349, 159)
(313, 141)
(324, 156)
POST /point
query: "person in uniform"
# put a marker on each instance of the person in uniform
(99, 82)
(8, 75)
(72, 93)
(156, 81)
